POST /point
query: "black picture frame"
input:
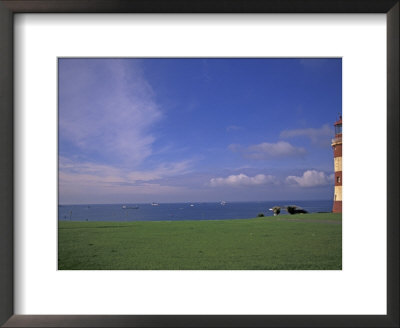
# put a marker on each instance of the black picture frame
(10, 7)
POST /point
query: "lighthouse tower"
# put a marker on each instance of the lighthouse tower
(337, 157)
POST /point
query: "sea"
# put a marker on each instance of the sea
(182, 211)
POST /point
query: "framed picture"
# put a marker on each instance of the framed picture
(204, 168)
(62, 159)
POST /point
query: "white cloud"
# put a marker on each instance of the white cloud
(311, 178)
(243, 180)
(107, 109)
(266, 150)
(320, 136)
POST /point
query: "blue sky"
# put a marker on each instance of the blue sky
(191, 130)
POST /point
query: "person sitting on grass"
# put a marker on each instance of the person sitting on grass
(276, 210)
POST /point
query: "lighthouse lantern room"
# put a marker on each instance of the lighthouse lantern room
(337, 157)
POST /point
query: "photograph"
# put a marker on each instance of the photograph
(199, 163)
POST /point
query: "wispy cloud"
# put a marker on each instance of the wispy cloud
(233, 128)
(266, 150)
(78, 191)
(81, 182)
(91, 183)
(311, 178)
(162, 171)
(313, 63)
(206, 70)
(93, 173)
(107, 108)
(243, 180)
(319, 136)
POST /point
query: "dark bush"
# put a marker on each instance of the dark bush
(260, 215)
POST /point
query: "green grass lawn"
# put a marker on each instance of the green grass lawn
(285, 242)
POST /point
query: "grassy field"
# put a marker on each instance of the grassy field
(286, 242)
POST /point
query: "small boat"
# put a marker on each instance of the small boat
(154, 204)
(223, 203)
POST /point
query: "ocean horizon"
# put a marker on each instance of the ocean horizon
(182, 211)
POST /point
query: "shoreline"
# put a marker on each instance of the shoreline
(296, 217)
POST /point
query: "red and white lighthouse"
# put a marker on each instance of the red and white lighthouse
(337, 158)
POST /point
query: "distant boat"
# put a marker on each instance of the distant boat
(223, 203)
(130, 207)
(191, 205)
(154, 204)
